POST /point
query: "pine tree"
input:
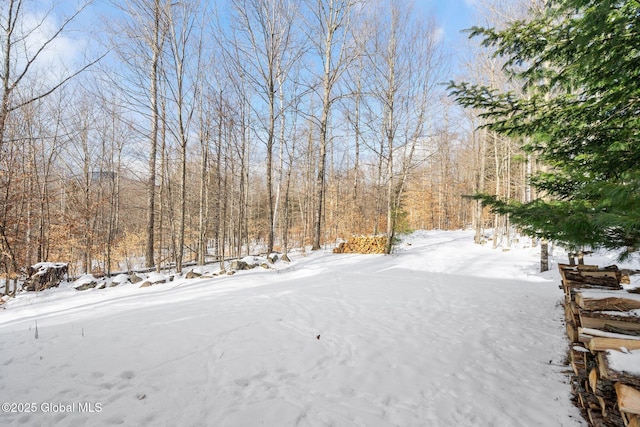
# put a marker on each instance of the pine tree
(579, 65)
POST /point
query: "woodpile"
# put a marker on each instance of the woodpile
(363, 245)
(603, 326)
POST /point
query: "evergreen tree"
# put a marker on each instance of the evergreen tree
(579, 65)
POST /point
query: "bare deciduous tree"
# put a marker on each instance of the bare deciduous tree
(184, 77)
(403, 62)
(140, 44)
(25, 43)
(263, 38)
(328, 26)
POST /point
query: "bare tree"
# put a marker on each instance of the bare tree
(24, 44)
(42, 121)
(140, 44)
(205, 122)
(265, 50)
(183, 76)
(328, 26)
(404, 61)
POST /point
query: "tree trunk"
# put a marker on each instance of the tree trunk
(544, 255)
(322, 163)
(153, 137)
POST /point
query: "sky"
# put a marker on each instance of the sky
(452, 15)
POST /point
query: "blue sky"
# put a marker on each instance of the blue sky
(452, 15)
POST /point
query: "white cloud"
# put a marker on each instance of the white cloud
(57, 55)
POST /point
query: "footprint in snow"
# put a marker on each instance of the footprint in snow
(127, 375)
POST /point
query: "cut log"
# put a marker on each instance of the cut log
(617, 330)
(596, 418)
(593, 300)
(602, 343)
(607, 371)
(607, 278)
(601, 273)
(633, 420)
(572, 313)
(593, 380)
(623, 321)
(571, 285)
(587, 267)
(628, 398)
(572, 332)
(604, 279)
(578, 356)
(363, 245)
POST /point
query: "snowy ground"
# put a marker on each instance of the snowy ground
(442, 333)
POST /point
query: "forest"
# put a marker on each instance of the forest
(192, 131)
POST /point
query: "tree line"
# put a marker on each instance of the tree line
(576, 109)
(195, 131)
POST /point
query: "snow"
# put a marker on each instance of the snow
(85, 279)
(630, 313)
(602, 294)
(441, 333)
(604, 334)
(155, 277)
(121, 278)
(628, 362)
(42, 267)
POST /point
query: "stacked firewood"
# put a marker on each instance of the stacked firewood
(603, 326)
(363, 245)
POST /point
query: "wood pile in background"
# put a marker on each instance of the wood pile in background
(603, 326)
(362, 245)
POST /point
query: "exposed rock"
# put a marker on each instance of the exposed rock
(134, 278)
(192, 275)
(272, 258)
(238, 265)
(86, 286)
(153, 279)
(85, 282)
(119, 279)
(285, 258)
(45, 275)
(265, 265)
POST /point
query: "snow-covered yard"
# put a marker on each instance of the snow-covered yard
(442, 333)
